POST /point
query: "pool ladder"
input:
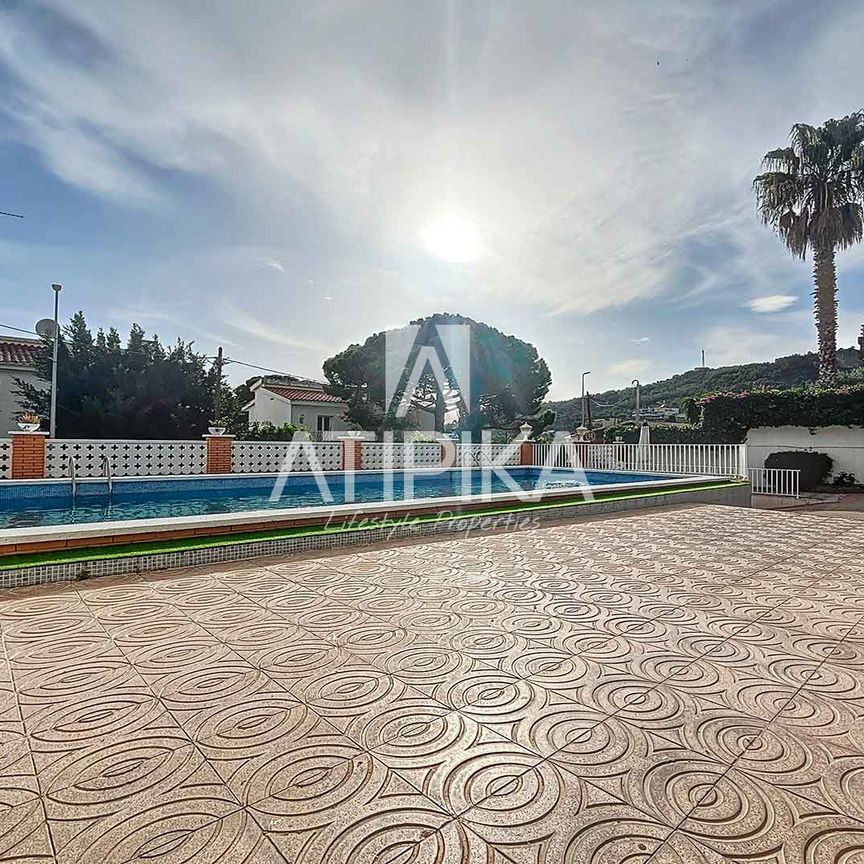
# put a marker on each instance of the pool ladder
(106, 473)
(72, 471)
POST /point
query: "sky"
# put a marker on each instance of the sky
(286, 178)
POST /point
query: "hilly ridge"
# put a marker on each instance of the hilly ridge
(791, 371)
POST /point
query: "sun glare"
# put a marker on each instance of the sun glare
(452, 238)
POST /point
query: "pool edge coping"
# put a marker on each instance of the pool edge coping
(83, 555)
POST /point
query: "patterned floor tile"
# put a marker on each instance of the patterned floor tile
(675, 688)
(23, 826)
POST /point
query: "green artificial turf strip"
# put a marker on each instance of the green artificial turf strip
(99, 553)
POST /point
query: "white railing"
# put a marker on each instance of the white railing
(482, 455)
(5, 458)
(263, 457)
(775, 481)
(127, 458)
(728, 460)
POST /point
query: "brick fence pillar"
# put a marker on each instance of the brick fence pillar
(28, 455)
(219, 453)
(526, 453)
(352, 454)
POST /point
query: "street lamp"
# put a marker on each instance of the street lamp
(583, 396)
(56, 289)
(638, 386)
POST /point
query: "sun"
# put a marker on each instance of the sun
(452, 238)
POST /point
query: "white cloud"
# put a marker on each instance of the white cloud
(335, 133)
(274, 264)
(584, 166)
(630, 367)
(772, 303)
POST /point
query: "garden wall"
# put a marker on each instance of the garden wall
(843, 444)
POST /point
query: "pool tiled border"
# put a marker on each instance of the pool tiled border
(101, 562)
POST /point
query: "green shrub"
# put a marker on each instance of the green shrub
(661, 433)
(726, 417)
(267, 431)
(814, 467)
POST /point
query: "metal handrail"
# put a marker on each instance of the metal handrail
(72, 470)
(106, 473)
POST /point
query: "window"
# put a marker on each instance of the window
(301, 420)
(324, 422)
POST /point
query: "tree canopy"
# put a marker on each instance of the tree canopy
(105, 390)
(508, 379)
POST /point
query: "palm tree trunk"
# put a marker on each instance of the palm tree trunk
(825, 312)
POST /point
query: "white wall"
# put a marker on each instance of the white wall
(269, 408)
(9, 407)
(843, 444)
(310, 411)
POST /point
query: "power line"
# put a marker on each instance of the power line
(253, 366)
(14, 215)
(17, 329)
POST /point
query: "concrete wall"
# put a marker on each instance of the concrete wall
(843, 444)
(9, 407)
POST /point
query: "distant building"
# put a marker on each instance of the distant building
(300, 403)
(303, 402)
(660, 414)
(17, 360)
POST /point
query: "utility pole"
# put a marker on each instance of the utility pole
(703, 358)
(53, 425)
(217, 395)
(583, 399)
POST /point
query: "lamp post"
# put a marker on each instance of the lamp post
(583, 396)
(56, 289)
(638, 386)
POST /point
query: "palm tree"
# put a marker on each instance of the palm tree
(812, 194)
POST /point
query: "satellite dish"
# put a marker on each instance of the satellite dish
(46, 328)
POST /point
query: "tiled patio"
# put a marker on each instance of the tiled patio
(683, 686)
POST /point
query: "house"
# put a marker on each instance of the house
(17, 360)
(300, 402)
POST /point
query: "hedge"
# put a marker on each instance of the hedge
(726, 417)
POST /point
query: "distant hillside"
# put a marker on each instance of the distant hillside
(788, 371)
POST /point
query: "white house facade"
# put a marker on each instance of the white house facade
(17, 360)
(301, 404)
(304, 403)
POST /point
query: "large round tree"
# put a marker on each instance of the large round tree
(508, 379)
(811, 193)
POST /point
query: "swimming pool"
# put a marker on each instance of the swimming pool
(49, 503)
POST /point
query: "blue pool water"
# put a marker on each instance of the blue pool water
(26, 505)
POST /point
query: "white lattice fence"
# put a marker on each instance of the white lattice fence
(127, 458)
(480, 455)
(5, 459)
(423, 454)
(262, 457)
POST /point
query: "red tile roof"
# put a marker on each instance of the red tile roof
(18, 352)
(302, 394)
